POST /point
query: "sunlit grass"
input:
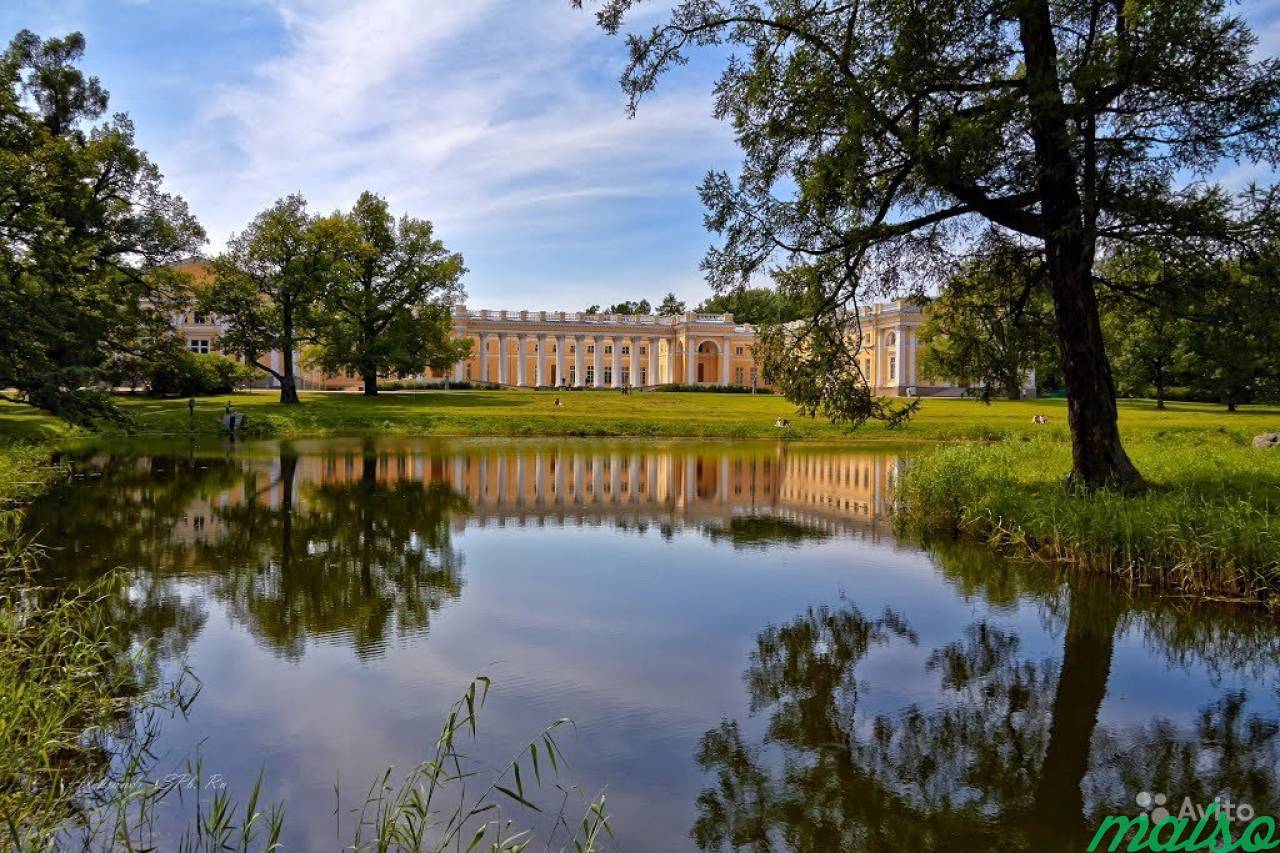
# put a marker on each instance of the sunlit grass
(1208, 523)
(610, 413)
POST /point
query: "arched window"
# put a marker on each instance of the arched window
(891, 339)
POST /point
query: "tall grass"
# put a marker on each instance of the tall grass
(445, 802)
(1209, 523)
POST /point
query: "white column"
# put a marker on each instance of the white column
(560, 377)
(635, 360)
(503, 353)
(522, 343)
(484, 358)
(653, 361)
(724, 361)
(617, 363)
(457, 370)
(910, 375)
(691, 360)
(579, 362)
(899, 376)
(540, 373)
(597, 361)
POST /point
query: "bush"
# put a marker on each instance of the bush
(193, 375)
(713, 389)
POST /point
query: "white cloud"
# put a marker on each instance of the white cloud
(493, 118)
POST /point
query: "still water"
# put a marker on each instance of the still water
(751, 658)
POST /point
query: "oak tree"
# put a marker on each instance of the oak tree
(268, 282)
(386, 309)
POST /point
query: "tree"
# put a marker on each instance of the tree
(670, 306)
(628, 307)
(898, 128)
(387, 307)
(991, 323)
(1148, 339)
(267, 285)
(1235, 348)
(86, 232)
(1149, 347)
(758, 306)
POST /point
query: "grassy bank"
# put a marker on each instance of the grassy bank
(65, 686)
(604, 413)
(1209, 524)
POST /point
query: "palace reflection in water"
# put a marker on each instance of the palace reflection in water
(815, 685)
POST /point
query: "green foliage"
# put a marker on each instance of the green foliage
(629, 307)
(1149, 341)
(268, 282)
(758, 306)
(197, 375)
(1235, 348)
(992, 323)
(386, 305)
(670, 306)
(85, 232)
(877, 136)
(711, 389)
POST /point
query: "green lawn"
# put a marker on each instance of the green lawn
(650, 414)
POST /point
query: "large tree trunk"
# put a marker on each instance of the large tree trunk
(288, 384)
(1097, 456)
(370, 383)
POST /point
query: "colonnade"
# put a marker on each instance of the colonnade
(589, 361)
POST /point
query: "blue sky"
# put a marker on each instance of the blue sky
(499, 120)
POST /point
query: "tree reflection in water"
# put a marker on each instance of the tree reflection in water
(361, 558)
(1011, 757)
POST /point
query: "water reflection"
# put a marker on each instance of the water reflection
(351, 539)
(895, 698)
(1008, 754)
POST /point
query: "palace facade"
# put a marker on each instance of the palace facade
(571, 349)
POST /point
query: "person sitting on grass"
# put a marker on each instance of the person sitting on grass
(782, 423)
(557, 403)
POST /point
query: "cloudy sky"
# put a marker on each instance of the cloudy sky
(499, 120)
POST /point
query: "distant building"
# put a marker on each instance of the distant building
(530, 349)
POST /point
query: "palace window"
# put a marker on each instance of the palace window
(737, 376)
(591, 349)
(608, 376)
(591, 375)
(644, 376)
(893, 367)
(626, 376)
(608, 350)
(573, 374)
(644, 351)
(200, 345)
(739, 350)
(626, 350)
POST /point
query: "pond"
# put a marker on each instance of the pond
(750, 655)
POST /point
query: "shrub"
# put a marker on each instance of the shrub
(194, 375)
(712, 389)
